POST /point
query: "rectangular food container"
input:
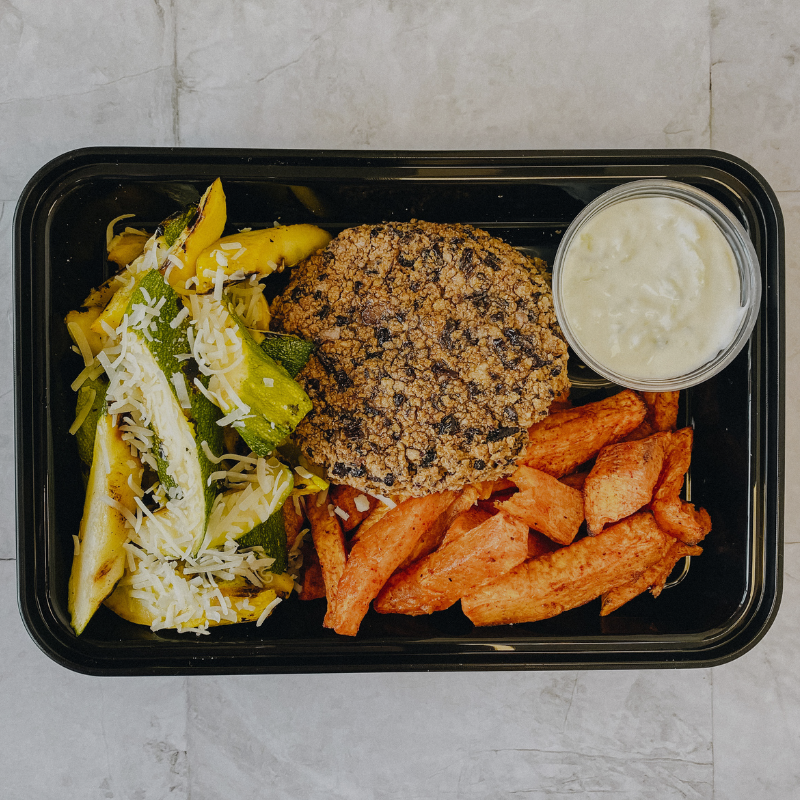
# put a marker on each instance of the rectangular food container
(721, 608)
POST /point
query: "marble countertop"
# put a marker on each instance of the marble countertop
(419, 74)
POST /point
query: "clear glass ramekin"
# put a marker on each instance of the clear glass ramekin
(744, 255)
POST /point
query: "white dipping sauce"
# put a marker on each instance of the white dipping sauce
(651, 289)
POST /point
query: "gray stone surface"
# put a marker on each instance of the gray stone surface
(444, 75)
(79, 75)
(755, 80)
(539, 735)
(7, 524)
(757, 705)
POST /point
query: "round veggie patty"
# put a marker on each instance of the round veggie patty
(436, 348)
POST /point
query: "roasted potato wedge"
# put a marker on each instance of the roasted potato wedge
(571, 576)
(622, 480)
(466, 560)
(545, 504)
(377, 555)
(560, 443)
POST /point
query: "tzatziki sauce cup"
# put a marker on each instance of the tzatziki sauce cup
(656, 285)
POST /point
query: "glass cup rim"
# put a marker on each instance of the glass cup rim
(747, 264)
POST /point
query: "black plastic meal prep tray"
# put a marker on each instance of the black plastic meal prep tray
(726, 600)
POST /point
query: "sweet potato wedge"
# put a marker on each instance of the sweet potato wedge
(663, 409)
(344, 498)
(313, 584)
(677, 517)
(329, 544)
(560, 443)
(292, 521)
(622, 480)
(545, 504)
(575, 479)
(432, 537)
(487, 488)
(374, 557)
(662, 414)
(464, 562)
(374, 517)
(466, 521)
(653, 578)
(682, 520)
(677, 458)
(642, 432)
(539, 545)
(571, 576)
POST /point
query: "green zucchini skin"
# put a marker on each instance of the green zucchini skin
(84, 436)
(291, 352)
(271, 535)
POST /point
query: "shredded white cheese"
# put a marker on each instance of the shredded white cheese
(179, 382)
(387, 501)
(267, 611)
(110, 227)
(188, 596)
(84, 412)
(179, 317)
(87, 374)
(79, 337)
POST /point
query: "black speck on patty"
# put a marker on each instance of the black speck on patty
(437, 347)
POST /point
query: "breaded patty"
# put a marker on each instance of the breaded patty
(436, 348)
